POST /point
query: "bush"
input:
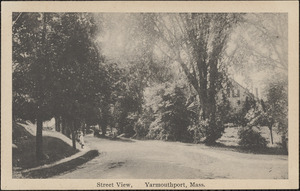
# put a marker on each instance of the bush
(141, 130)
(168, 118)
(156, 131)
(196, 130)
(243, 117)
(251, 139)
(213, 132)
(141, 127)
(96, 132)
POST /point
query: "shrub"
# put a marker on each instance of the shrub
(251, 139)
(170, 118)
(142, 125)
(196, 129)
(174, 114)
(129, 124)
(213, 132)
(141, 129)
(243, 117)
(156, 131)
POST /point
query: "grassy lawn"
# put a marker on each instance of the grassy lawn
(230, 140)
(24, 155)
(63, 167)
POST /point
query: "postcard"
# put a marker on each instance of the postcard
(165, 95)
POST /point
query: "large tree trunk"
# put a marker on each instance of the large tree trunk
(104, 126)
(284, 143)
(84, 128)
(202, 89)
(104, 120)
(63, 126)
(39, 139)
(68, 128)
(73, 134)
(211, 103)
(39, 121)
(271, 133)
(57, 123)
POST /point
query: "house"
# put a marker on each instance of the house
(236, 95)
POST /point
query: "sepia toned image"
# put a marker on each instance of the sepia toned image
(150, 99)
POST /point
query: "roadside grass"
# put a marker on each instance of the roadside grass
(265, 151)
(23, 156)
(230, 140)
(60, 168)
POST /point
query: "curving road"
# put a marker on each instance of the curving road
(126, 159)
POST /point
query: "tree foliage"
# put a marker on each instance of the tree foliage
(171, 119)
(276, 109)
(57, 67)
(197, 42)
(141, 73)
(251, 138)
(261, 42)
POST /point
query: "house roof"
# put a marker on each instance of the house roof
(235, 83)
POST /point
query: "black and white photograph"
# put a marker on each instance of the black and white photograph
(158, 96)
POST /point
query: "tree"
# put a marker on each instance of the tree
(277, 108)
(169, 119)
(174, 115)
(133, 52)
(262, 46)
(32, 74)
(273, 112)
(197, 42)
(79, 74)
(108, 92)
(262, 42)
(128, 102)
(259, 47)
(57, 67)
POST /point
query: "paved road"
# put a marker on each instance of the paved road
(125, 159)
